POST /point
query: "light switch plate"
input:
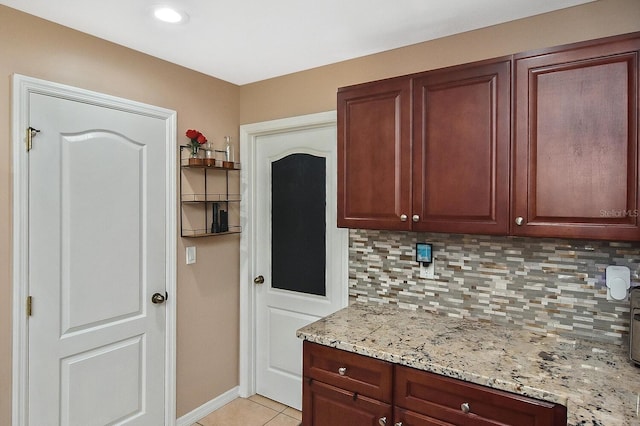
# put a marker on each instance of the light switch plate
(191, 255)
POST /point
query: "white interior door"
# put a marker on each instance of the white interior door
(96, 343)
(300, 254)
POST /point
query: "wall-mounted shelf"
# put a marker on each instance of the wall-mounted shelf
(204, 194)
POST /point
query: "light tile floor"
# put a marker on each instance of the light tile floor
(253, 411)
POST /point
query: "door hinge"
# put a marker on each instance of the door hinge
(31, 133)
(29, 305)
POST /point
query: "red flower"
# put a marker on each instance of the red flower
(193, 134)
(196, 137)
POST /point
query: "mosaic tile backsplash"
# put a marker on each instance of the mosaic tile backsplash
(544, 285)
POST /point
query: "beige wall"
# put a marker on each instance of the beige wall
(208, 291)
(314, 90)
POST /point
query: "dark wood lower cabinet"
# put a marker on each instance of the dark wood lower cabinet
(324, 404)
(456, 402)
(406, 418)
(345, 389)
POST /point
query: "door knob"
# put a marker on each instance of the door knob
(158, 298)
(259, 279)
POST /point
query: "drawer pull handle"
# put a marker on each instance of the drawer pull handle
(382, 421)
(342, 371)
(465, 407)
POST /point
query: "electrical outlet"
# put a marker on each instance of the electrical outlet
(428, 271)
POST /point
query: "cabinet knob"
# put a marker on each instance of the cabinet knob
(342, 371)
(382, 421)
(398, 424)
(465, 407)
(403, 217)
(519, 220)
(415, 218)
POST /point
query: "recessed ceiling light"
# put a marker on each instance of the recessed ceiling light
(170, 15)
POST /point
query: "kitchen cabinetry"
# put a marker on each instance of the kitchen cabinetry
(568, 168)
(449, 172)
(374, 155)
(422, 398)
(576, 141)
(341, 387)
(205, 198)
(461, 138)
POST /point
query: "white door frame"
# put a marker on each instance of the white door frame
(248, 247)
(22, 87)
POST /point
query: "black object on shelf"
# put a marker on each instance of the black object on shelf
(215, 225)
(224, 221)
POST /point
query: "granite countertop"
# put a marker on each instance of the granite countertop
(595, 381)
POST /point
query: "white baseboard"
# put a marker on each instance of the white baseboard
(208, 407)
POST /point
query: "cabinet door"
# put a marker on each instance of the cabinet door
(326, 405)
(374, 155)
(461, 149)
(576, 142)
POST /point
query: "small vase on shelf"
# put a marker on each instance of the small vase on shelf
(197, 139)
(209, 156)
(194, 158)
(228, 153)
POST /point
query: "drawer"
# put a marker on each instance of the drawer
(446, 399)
(410, 418)
(352, 372)
(405, 417)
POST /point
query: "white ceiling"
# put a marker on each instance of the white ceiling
(243, 41)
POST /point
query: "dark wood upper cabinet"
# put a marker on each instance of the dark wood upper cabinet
(446, 172)
(541, 144)
(461, 140)
(374, 155)
(575, 171)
